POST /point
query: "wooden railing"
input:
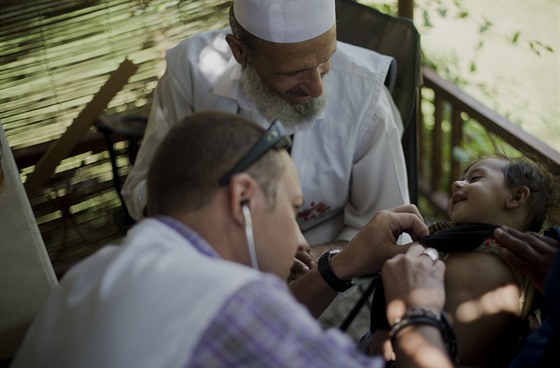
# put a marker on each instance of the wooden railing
(453, 108)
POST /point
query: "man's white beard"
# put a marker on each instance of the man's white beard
(272, 106)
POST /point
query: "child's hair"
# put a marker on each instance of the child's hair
(544, 200)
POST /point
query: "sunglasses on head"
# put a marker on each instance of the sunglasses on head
(274, 137)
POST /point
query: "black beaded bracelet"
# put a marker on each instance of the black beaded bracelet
(422, 316)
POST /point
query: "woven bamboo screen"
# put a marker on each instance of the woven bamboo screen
(54, 55)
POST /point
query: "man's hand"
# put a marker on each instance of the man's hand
(364, 255)
(377, 242)
(303, 262)
(410, 280)
(413, 280)
(530, 253)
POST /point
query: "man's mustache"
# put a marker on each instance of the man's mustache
(296, 92)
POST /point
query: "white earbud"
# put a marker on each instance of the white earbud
(249, 233)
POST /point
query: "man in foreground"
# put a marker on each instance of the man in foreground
(201, 282)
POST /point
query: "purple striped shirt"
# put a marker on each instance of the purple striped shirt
(262, 325)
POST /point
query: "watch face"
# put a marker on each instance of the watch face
(326, 257)
(334, 252)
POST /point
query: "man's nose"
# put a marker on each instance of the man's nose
(313, 84)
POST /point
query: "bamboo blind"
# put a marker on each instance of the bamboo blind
(54, 56)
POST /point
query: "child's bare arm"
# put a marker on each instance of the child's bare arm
(482, 301)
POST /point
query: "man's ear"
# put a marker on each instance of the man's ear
(238, 49)
(518, 197)
(242, 188)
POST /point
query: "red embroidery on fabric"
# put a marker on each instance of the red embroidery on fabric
(316, 210)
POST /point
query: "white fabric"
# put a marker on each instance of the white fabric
(26, 271)
(349, 160)
(285, 21)
(107, 304)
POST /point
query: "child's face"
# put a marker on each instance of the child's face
(480, 195)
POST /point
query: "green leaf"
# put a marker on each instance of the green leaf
(515, 38)
(472, 67)
(427, 22)
(486, 26)
(463, 14)
(442, 11)
(480, 44)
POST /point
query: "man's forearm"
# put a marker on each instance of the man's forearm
(319, 249)
(312, 291)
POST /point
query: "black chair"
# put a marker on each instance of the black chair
(130, 128)
(363, 26)
(397, 37)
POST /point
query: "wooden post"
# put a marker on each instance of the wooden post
(456, 140)
(437, 140)
(406, 9)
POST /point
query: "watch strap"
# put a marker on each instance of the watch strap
(324, 266)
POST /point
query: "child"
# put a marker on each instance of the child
(485, 298)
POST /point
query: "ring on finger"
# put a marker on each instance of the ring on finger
(432, 253)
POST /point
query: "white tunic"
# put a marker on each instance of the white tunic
(349, 160)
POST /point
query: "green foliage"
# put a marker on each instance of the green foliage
(515, 38)
(426, 18)
(485, 26)
(476, 140)
(538, 47)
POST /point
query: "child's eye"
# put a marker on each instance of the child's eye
(475, 178)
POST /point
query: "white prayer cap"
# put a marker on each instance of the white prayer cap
(285, 21)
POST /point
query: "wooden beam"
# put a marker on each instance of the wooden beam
(29, 156)
(70, 138)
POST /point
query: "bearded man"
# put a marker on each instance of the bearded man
(281, 61)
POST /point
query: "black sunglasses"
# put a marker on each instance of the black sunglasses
(274, 137)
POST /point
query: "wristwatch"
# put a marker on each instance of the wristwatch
(328, 275)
